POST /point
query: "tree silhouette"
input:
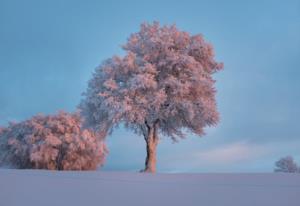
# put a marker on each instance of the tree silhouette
(286, 164)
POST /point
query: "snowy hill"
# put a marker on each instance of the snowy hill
(50, 188)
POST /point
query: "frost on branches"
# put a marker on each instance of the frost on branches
(54, 142)
(162, 85)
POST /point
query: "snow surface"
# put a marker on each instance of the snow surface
(52, 188)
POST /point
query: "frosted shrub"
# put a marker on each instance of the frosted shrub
(54, 142)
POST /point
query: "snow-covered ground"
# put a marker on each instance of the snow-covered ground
(50, 188)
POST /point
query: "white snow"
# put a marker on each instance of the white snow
(52, 188)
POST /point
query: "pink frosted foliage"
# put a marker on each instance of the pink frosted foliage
(55, 142)
(165, 78)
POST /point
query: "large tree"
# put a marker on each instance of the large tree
(162, 85)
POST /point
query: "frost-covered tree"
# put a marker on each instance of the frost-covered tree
(54, 142)
(286, 164)
(162, 85)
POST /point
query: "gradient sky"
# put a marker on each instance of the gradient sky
(48, 50)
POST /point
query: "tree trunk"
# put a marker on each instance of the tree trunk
(151, 144)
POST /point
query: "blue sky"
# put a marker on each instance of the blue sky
(48, 50)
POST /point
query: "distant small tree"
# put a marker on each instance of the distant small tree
(286, 164)
(163, 84)
(55, 142)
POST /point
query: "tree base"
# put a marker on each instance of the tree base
(147, 171)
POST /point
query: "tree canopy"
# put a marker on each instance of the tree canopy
(164, 78)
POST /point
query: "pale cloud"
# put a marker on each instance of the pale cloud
(221, 157)
(231, 153)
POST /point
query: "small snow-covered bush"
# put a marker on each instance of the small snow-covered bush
(54, 142)
(286, 164)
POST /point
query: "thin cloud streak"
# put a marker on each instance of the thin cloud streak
(232, 153)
